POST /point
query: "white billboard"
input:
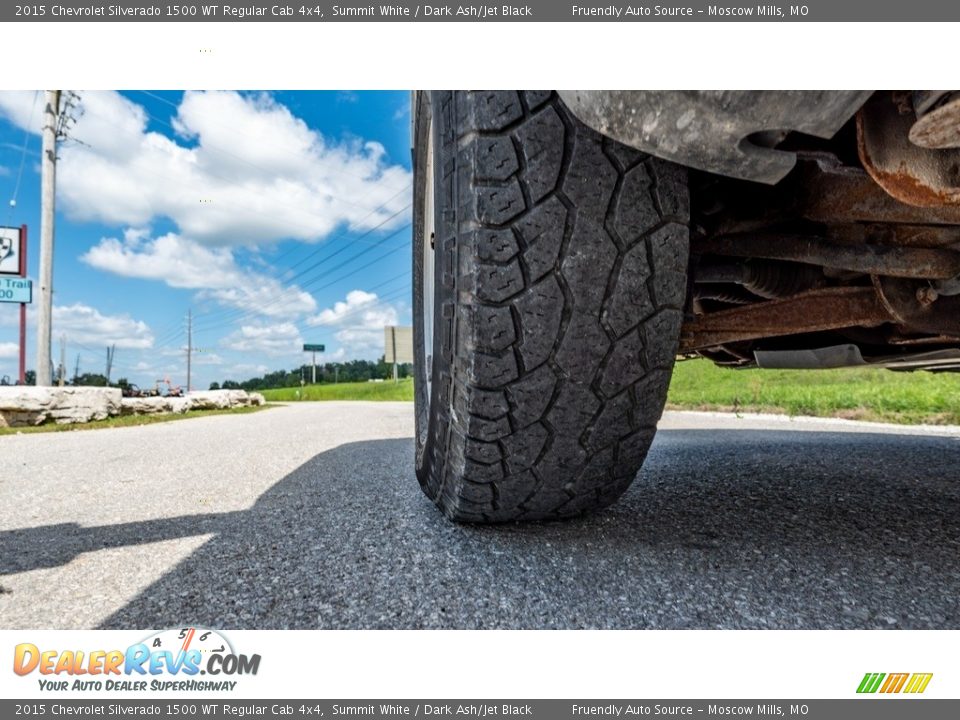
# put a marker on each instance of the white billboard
(398, 344)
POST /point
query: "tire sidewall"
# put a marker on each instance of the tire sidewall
(428, 409)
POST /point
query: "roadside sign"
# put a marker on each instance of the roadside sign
(16, 290)
(14, 285)
(314, 348)
(10, 249)
(398, 344)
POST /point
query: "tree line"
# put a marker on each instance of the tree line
(350, 371)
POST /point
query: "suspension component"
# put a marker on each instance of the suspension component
(909, 262)
(911, 173)
(938, 124)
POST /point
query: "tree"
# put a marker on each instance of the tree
(350, 371)
(214, 385)
(91, 380)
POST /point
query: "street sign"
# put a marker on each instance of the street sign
(10, 248)
(16, 290)
(314, 348)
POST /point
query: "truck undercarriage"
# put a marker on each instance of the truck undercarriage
(569, 246)
(853, 258)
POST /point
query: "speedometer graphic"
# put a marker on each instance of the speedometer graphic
(181, 640)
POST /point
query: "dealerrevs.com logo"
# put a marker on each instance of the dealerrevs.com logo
(891, 683)
(169, 660)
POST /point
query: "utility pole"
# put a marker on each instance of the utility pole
(76, 370)
(62, 374)
(51, 120)
(111, 349)
(393, 339)
(189, 345)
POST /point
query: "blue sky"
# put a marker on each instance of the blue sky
(278, 218)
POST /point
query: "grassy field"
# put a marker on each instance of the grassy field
(387, 390)
(128, 421)
(858, 394)
(855, 393)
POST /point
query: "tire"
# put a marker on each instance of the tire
(558, 275)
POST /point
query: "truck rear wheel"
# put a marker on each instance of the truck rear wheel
(549, 281)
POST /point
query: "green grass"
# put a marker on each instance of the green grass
(855, 393)
(128, 421)
(387, 390)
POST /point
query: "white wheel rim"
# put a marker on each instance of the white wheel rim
(427, 287)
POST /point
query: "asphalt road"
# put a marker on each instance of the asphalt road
(309, 516)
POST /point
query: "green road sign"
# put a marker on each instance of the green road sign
(314, 348)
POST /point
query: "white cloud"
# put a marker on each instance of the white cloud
(88, 326)
(244, 170)
(244, 371)
(183, 263)
(10, 314)
(273, 340)
(360, 320)
(18, 107)
(356, 300)
(207, 358)
(9, 350)
(171, 258)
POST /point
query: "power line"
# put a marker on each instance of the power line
(224, 314)
(278, 305)
(345, 233)
(230, 316)
(393, 294)
(362, 267)
(23, 157)
(165, 337)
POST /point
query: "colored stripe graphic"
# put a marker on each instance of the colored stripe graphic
(894, 682)
(918, 682)
(870, 682)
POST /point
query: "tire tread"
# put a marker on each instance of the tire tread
(565, 310)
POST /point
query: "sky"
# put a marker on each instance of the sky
(275, 218)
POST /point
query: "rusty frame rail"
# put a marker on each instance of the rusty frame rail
(810, 311)
(892, 261)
